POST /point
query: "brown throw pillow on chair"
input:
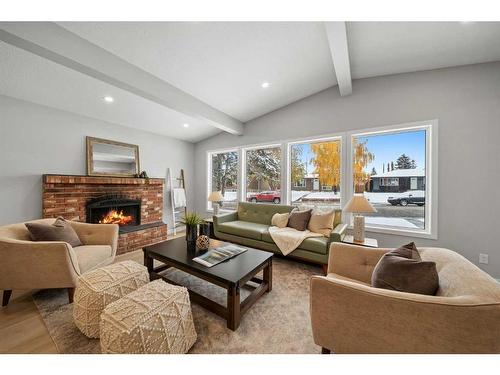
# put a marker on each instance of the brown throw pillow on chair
(299, 219)
(60, 230)
(404, 270)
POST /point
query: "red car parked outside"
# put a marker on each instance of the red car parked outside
(265, 196)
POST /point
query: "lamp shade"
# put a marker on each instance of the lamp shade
(359, 205)
(215, 196)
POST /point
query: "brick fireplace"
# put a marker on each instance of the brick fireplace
(103, 199)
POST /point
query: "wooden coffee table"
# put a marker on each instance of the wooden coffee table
(232, 275)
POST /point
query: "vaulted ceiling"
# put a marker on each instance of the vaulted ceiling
(210, 75)
(224, 64)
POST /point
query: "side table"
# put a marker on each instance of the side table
(368, 242)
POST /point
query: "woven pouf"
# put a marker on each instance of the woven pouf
(155, 319)
(98, 288)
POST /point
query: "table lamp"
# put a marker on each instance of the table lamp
(359, 205)
(215, 197)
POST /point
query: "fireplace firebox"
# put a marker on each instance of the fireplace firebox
(114, 209)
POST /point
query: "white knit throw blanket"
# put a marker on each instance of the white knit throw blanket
(288, 239)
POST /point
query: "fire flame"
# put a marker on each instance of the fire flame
(115, 217)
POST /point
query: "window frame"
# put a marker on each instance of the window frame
(346, 180)
(243, 167)
(208, 205)
(326, 138)
(431, 173)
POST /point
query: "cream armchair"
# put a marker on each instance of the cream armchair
(26, 264)
(349, 316)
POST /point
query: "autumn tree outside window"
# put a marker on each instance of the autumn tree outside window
(315, 173)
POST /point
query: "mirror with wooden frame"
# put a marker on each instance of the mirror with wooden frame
(111, 158)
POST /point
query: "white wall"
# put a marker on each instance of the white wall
(465, 100)
(35, 140)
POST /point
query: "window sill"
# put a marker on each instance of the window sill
(399, 232)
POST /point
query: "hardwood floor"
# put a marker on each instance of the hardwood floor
(21, 327)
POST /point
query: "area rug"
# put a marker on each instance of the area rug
(279, 322)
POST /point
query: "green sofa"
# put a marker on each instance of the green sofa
(250, 223)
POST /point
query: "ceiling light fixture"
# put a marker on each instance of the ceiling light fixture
(265, 85)
(109, 99)
(186, 125)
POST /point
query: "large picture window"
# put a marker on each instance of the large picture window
(389, 169)
(395, 168)
(315, 173)
(224, 178)
(263, 175)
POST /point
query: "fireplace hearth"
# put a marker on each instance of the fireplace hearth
(115, 209)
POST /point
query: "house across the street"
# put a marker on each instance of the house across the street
(311, 182)
(398, 180)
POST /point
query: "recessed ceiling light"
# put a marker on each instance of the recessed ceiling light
(265, 85)
(109, 99)
(186, 125)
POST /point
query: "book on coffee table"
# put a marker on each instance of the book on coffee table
(215, 256)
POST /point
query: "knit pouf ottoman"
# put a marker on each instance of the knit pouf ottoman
(98, 288)
(154, 319)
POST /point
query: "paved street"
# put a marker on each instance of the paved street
(411, 213)
(398, 211)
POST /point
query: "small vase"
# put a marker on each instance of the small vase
(191, 248)
(205, 229)
(191, 233)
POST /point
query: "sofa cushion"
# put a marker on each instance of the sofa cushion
(260, 213)
(280, 220)
(320, 209)
(90, 256)
(322, 223)
(60, 230)
(404, 271)
(299, 219)
(317, 245)
(266, 236)
(408, 251)
(244, 229)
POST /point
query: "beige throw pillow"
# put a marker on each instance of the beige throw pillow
(322, 223)
(280, 220)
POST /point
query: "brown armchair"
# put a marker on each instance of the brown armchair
(350, 316)
(26, 264)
